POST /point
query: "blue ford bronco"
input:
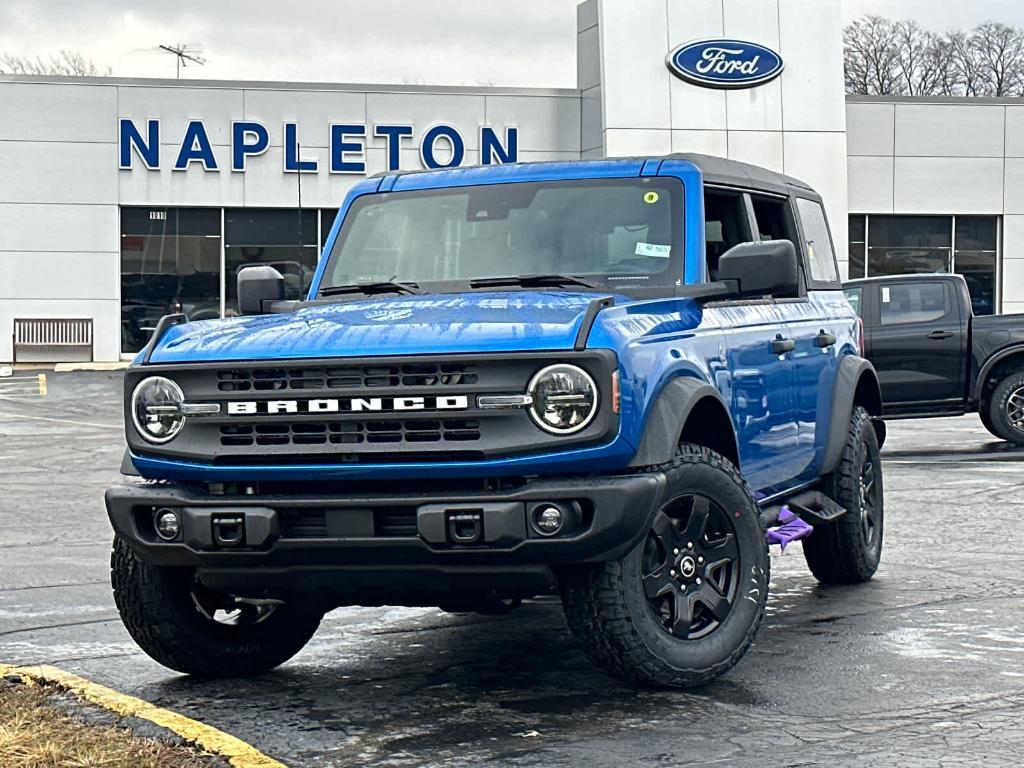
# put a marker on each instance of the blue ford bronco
(613, 380)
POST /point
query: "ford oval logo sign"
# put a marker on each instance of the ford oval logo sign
(724, 63)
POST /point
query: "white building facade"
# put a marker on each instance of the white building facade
(121, 200)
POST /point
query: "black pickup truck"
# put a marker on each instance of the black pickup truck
(935, 357)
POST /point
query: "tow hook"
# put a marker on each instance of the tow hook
(228, 530)
(466, 527)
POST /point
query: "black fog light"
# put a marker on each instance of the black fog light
(167, 524)
(548, 519)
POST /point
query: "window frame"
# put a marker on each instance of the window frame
(812, 283)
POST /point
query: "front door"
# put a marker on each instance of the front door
(764, 406)
(917, 345)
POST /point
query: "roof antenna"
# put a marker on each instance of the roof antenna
(184, 53)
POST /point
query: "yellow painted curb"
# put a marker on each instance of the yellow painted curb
(208, 738)
(42, 384)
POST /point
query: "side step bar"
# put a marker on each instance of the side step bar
(813, 507)
(796, 518)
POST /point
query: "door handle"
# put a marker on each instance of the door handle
(781, 346)
(940, 334)
(824, 339)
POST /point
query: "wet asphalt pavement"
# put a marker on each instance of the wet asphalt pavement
(923, 666)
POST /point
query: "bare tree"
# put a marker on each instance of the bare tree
(65, 63)
(885, 58)
(870, 55)
(999, 50)
(915, 65)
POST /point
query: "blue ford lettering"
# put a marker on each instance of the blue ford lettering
(725, 63)
(615, 381)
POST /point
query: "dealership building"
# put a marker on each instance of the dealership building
(122, 200)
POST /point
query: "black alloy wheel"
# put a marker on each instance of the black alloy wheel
(683, 605)
(1006, 409)
(848, 549)
(869, 497)
(691, 567)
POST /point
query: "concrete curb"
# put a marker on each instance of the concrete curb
(208, 738)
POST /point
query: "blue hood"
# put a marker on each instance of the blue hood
(506, 321)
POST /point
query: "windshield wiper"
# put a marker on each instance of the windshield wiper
(381, 286)
(533, 280)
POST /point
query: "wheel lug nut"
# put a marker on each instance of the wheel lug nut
(689, 545)
(675, 551)
(698, 581)
(671, 573)
(682, 587)
(700, 560)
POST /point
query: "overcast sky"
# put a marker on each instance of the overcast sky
(437, 42)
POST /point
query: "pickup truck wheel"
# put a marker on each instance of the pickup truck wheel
(189, 629)
(1006, 409)
(985, 414)
(681, 607)
(847, 551)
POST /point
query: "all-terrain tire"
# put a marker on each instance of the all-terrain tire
(609, 613)
(1007, 400)
(985, 414)
(848, 550)
(160, 613)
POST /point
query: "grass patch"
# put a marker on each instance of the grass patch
(34, 733)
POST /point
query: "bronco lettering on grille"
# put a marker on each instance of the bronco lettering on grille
(348, 405)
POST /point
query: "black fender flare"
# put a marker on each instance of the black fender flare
(854, 373)
(664, 427)
(994, 360)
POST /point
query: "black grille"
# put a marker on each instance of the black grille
(347, 377)
(386, 522)
(395, 521)
(303, 524)
(434, 430)
(349, 432)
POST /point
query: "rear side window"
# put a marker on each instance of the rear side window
(912, 303)
(821, 258)
(853, 296)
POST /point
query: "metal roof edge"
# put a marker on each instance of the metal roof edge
(283, 85)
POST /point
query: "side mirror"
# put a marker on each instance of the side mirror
(258, 286)
(767, 268)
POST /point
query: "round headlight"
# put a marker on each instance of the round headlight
(564, 399)
(156, 409)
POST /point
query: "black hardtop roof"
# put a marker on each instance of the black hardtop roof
(716, 170)
(908, 276)
(733, 173)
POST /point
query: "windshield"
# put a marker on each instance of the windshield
(614, 232)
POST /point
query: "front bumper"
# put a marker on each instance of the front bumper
(388, 541)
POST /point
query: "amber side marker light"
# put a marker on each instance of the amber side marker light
(615, 392)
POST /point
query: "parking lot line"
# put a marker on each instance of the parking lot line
(118, 427)
(237, 752)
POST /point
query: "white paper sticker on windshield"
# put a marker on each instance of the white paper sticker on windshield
(650, 249)
(885, 294)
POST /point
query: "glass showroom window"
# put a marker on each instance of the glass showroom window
(857, 249)
(900, 245)
(284, 239)
(975, 257)
(327, 217)
(170, 262)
